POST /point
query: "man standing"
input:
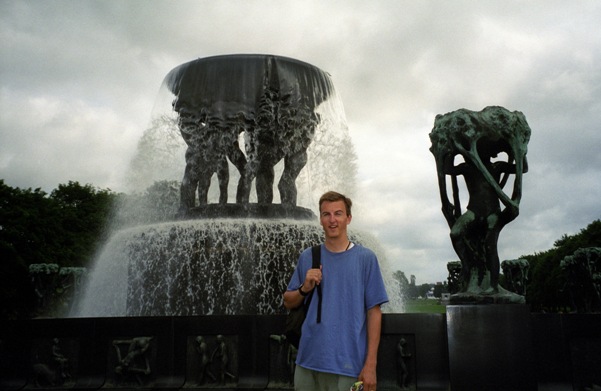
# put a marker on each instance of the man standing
(343, 347)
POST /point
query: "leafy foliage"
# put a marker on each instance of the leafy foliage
(83, 213)
(583, 271)
(547, 290)
(62, 228)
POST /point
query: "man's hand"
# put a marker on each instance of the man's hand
(312, 278)
(368, 377)
(293, 299)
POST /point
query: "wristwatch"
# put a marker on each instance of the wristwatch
(300, 290)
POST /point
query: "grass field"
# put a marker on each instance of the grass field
(428, 306)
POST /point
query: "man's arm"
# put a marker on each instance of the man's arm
(374, 327)
(293, 299)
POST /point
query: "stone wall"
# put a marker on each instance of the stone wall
(469, 347)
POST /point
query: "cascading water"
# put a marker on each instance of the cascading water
(219, 256)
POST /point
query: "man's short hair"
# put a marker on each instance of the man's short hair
(332, 196)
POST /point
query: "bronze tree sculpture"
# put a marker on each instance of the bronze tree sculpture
(486, 148)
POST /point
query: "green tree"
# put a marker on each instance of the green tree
(17, 298)
(423, 289)
(22, 242)
(454, 279)
(547, 288)
(583, 271)
(84, 216)
(62, 228)
(440, 288)
(29, 223)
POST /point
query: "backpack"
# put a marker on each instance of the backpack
(296, 316)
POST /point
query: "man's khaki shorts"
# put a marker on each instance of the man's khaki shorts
(309, 380)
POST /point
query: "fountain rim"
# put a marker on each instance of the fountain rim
(249, 55)
(248, 210)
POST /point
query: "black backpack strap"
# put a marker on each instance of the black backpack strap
(316, 253)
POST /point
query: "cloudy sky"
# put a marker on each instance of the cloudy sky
(78, 82)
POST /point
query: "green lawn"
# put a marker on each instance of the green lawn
(428, 306)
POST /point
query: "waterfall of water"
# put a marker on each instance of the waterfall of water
(241, 121)
(205, 267)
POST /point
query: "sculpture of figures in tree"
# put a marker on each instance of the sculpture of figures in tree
(486, 148)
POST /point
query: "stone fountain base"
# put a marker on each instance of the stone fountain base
(482, 292)
(250, 211)
(497, 347)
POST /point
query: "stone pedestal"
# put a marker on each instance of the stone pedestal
(490, 347)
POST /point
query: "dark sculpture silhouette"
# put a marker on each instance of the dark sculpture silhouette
(291, 353)
(135, 364)
(516, 275)
(403, 355)
(52, 370)
(492, 145)
(221, 356)
(204, 371)
(207, 153)
(272, 100)
(583, 279)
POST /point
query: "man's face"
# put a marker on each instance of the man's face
(334, 219)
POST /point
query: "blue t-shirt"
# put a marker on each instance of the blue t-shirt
(352, 283)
